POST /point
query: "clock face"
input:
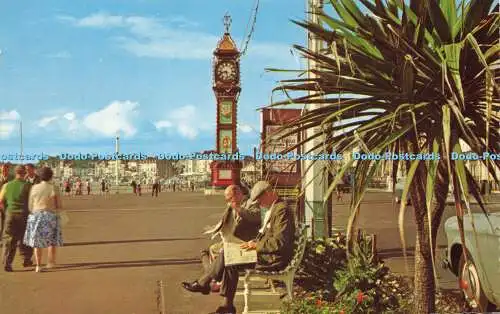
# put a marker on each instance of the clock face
(226, 71)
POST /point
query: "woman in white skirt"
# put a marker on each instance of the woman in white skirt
(44, 229)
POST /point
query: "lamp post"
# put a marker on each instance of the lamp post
(117, 151)
(21, 140)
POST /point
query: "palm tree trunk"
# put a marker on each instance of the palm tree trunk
(425, 286)
(425, 292)
(441, 193)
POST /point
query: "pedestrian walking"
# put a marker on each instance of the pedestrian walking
(67, 188)
(88, 187)
(340, 189)
(156, 188)
(4, 178)
(103, 187)
(139, 189)
(15, 193)
(44, 228)
(31, 175)
(78, 187)
(134, 187)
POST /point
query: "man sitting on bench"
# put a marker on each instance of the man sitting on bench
(274, 246)
(240, 221)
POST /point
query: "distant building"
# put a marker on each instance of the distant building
(67, 171)
(153, 167)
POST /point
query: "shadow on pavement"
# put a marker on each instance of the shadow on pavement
(131, 241)
(125, 264)
(398, 252)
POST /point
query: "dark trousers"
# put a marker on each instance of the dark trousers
(228, 274)
(155, 190)
(205, 262)
(15, 227)
(2, 222)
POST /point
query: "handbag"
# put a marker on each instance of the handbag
(63, 218)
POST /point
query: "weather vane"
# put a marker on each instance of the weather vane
(227, 22)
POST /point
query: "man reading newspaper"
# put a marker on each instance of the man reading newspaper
(240, 223)
(274, 247)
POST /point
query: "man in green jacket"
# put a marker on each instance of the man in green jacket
(15, 195)
(274, 246)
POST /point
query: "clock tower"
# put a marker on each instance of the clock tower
(226, 86)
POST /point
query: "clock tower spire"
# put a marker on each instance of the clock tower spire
(226, 87)
(227, 23)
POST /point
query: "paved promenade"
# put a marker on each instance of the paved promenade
(119, 247)
(116, 251)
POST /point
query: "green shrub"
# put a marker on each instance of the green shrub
(322, 259)
(329, 282)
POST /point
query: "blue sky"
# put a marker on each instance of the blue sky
(68, 67)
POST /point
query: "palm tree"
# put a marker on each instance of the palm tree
(414, 76)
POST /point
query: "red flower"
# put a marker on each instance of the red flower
(463, 284)
(318, 303)
(360, 297)
(341, 312)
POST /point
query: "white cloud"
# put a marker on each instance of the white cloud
(43, 122)
(186, 121)
(8, 123)
(74, 124)
(187, 131)
(163, 124)
(66, 122)
(245, 128)
(9, 115)
(6, 129)
(100, 20)
(60, 55)
(169, 38)
(70, 116)
(117, 116)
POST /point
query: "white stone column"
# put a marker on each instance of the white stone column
(315, 180)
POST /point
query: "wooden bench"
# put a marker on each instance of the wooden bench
(286, 275)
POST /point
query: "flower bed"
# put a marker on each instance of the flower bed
(329, 282)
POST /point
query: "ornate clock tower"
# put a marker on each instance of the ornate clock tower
(226, 86)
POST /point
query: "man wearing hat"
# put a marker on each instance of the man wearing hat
(4, 178)
(15, 195)
(274, 245)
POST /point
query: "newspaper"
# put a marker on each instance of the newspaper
(234, 255)
(224, 228)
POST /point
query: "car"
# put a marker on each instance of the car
(477, 266)
(398, 191)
